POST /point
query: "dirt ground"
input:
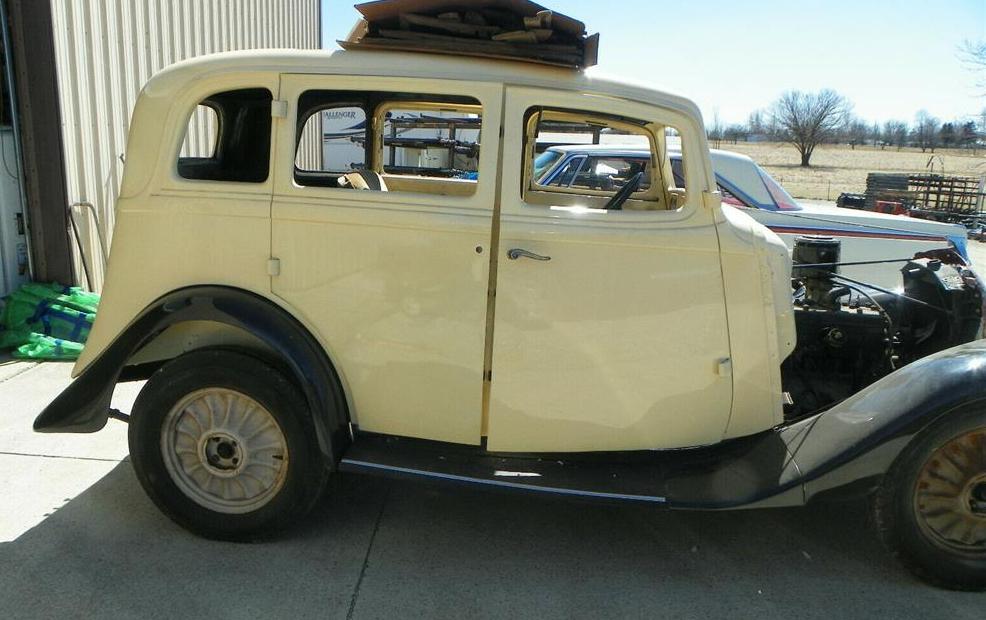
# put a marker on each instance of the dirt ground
(837, 168)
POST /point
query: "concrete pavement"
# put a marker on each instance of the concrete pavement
(80, 539)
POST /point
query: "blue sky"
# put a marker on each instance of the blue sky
(890, 58)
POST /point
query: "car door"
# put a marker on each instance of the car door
(610, 327)
(394, 283)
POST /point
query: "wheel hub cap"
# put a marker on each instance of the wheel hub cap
(224, 450)
(950, 497)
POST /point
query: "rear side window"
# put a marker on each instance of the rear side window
(228, 138)
(332, 140)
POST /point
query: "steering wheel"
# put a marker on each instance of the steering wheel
(616, 202)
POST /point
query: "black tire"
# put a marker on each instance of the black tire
(226, 377)
(911, 527)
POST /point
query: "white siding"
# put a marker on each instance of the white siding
(107, 49)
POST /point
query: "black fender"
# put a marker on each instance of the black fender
(83, 407)
(848, 447)
(858, 440)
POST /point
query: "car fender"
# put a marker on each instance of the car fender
(858, 440)
(848, 447)
(84, 406)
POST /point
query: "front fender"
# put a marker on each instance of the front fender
(848, 447)
(858, 440)
(83, 407)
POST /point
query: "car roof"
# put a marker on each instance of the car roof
(636, 150)
(407, 65)
(607, 149)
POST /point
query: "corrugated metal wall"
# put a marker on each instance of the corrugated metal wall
(107, 49)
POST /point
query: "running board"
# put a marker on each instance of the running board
(749, 472)
(634, 477)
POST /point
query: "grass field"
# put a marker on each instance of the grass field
(837, 168)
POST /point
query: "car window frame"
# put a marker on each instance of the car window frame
(654, 194)
(379, 118)
(293, 85)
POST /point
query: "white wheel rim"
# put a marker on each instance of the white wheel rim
(224, 450)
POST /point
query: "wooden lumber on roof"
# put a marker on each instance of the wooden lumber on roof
(511, 29)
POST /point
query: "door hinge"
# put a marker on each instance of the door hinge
(725, 367)
(274, 267)
(279, 108)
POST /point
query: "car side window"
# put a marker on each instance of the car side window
(332, 139)
(566, 174)
(599, 155)
(228, 138)
(406, 142)
(612, 173)
(727, 196)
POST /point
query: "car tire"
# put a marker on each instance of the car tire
(930, 510)
(223, 444)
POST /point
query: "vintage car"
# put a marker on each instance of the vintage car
(293, 320)
(865, 237)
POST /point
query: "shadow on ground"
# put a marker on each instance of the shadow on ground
(393, 549)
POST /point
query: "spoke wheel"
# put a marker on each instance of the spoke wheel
(930, 509)
(225, 445)
(950, 494)
(224, 450)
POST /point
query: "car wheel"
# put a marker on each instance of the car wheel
(223, 444)
(931, 509)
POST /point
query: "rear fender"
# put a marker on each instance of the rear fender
(83, 407)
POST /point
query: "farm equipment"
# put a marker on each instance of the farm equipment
(931, 196)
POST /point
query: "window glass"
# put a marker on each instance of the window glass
(782, 199)
(333, 140)
(566, 173)
(228, 138)
(611, 173)
(544, 162)
(729, 198)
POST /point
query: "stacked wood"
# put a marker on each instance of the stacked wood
(934, 196)
(514, 29)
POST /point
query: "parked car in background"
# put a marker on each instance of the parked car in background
(864, 236)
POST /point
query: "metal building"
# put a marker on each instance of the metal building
(106, 50)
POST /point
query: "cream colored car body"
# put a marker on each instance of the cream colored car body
(645, 330)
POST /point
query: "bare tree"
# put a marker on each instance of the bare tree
(855, 131)
(755, 124)
(734, 133)
(947, 134)
(895, 133)
(973, 54)
(808, 119)
(875, 135)
(926, 131)
(715, 131)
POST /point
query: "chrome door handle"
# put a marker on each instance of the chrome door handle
(515, 253)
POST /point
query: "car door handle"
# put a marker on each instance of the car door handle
(515, 253)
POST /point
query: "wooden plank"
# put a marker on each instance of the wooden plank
(521, 47)
(486, 49)
(459, 28)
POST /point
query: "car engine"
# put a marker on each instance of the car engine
(850, 333)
